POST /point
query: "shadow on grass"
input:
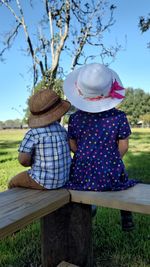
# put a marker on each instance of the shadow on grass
(138, 166)
(9, 144)
(137, 135)
(140, 136)
(2, 153)
(8, 159)
(8, 150)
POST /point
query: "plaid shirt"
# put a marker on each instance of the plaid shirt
(51, 155)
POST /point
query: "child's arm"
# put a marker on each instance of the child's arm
(73, 145)
(25, 159)
(123, 146)
(26, 149)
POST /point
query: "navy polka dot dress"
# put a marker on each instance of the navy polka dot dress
(97, 165)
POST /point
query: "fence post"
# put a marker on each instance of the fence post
(67, 236)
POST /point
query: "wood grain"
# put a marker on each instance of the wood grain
(136, 198)
(20, 207)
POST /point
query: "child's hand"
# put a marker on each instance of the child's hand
(25, 159)
(73, 145)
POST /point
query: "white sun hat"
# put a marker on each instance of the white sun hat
(94, 88)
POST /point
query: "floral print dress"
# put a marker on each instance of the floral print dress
(97, 165)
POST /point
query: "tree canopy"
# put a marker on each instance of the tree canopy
(136, 104)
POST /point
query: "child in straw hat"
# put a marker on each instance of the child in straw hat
(45, 146)
(98, 132)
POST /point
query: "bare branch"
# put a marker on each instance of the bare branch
(89, 33)
(28, 39)
(11, 37)
(83, 40)
(58, 13)
(11, 10)
(84, 22)
(43, 51)
(50, 18)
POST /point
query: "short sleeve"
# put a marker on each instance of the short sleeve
(27, 144)
(124, 128)
(71, 128)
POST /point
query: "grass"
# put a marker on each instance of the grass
(138, 157)
(9, 166)
(115, 248)
(112, 247)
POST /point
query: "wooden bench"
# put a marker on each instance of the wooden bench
(136, 198)
(66, 221)
(20, 207)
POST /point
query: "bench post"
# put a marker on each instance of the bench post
(67, 236)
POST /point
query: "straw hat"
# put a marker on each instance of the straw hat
(46, 107)
(94, 88)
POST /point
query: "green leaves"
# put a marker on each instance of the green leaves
(136, 104)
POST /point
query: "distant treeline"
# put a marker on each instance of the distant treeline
(12, 124)
(136, 105)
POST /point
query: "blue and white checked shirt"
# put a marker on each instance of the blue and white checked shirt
(51, 155)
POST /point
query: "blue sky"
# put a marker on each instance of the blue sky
(132, 63)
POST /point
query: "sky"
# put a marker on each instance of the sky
(132, 62)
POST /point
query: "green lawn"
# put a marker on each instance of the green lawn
(138, 157)
(112, 247)
(9, 166)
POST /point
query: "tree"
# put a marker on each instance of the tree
(65, 28)
(136, 104)
(146, 119)
(9, 124)
(2, 125)
(144, 25)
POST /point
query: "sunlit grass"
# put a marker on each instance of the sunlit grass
(9, 165)
(112, 247)
(137, 160)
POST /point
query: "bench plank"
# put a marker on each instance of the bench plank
(136, 199)
(20, 207)
(10, 195)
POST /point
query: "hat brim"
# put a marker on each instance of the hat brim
(83, 104)
(47, 118)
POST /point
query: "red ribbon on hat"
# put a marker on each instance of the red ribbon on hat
(115, 87)
(113, 94)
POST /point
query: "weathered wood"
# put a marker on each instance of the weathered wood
(67, 236)
(20, 207)
(136, 198)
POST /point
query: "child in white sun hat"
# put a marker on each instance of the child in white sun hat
(98, 132)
